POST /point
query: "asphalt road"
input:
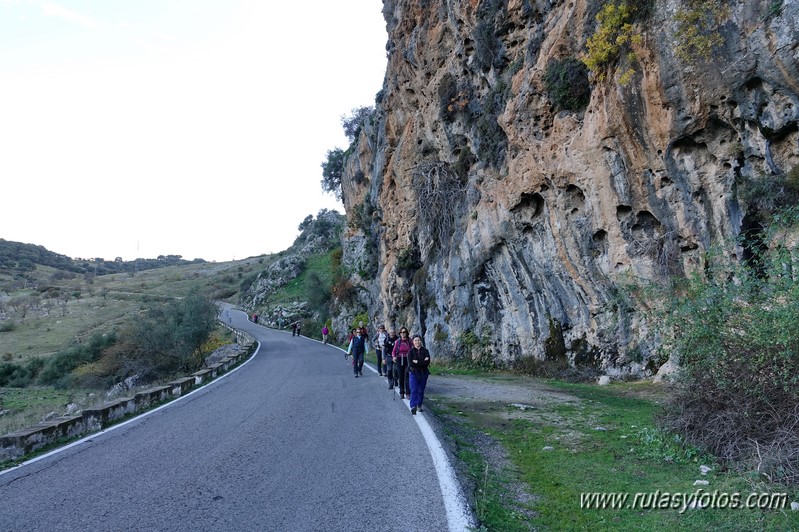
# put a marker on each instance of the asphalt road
(288, 441)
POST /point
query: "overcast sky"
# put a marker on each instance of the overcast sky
(138, 128)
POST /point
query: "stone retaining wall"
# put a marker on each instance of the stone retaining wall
(15, 445)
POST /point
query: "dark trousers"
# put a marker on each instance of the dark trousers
(418, 382)
(389, 371)
(357, 362)
(379, 355)
(401, 371)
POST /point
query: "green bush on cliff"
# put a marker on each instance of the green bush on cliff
(765, 196)
(489, 51)
(408, 261)
(566, 81)
(492, 140)
(353, 123)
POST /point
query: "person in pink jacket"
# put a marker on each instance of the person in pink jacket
(400, 357)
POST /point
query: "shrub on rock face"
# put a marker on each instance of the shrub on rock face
(566, 81)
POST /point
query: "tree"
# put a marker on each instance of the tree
(21, 305)
(305, 223)
(63, 298)
(353, 123)
(170, 335)
(332, 171)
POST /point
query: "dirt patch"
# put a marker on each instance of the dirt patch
(501, 389)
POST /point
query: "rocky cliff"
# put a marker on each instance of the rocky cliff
(502, 219)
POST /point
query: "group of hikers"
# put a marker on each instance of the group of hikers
(403, 360)
(296, 328)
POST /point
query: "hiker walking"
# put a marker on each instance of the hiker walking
(418, 371)
(325, 332)
(378, 344)
(358, 348)
(294, 328)
(388, 349)
(400, 356)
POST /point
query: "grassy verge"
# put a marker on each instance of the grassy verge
(604, 440)
(26, 407)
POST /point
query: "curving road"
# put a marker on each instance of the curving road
(288, 441)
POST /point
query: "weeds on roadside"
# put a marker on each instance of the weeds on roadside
(735, 331)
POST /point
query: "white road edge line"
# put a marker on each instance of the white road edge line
(459, 517)
(120, 425)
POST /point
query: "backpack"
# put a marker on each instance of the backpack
(388, 345)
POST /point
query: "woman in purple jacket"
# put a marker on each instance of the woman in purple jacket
(400, 357)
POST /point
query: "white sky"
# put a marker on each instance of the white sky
(138, 128)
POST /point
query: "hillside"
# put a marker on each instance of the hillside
(298, 283)
(49, 310)
(46, 302)
(18, 261)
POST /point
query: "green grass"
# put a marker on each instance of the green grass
(491, 503)
(605, 441)
(26, 407)
(296, 289)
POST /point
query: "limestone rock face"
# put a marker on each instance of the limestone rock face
(500, 226)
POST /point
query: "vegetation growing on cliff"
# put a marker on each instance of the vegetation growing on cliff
(332, 171)
(439, 191)
(696, 34)
(735, 331)
(613, 39)
(356, 120)
(491, 138)
(489, 49)
(336, 158)
(566, 81)
(408, 261)
(697, 28)
(452, 98)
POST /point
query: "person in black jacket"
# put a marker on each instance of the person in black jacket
(388, 348)
(419, 358)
